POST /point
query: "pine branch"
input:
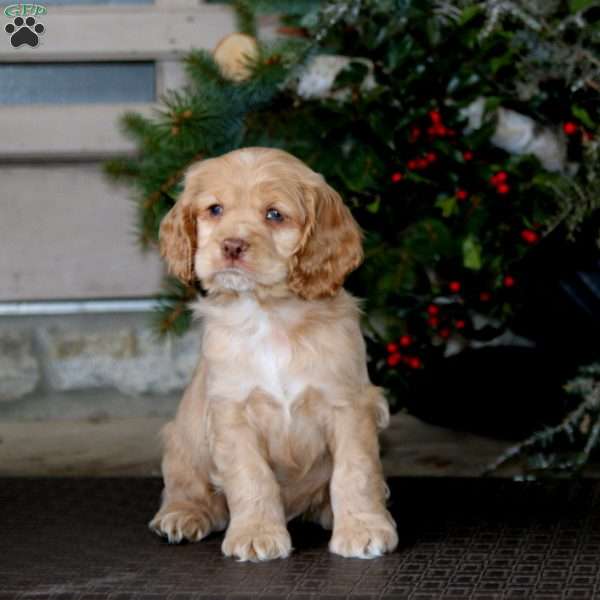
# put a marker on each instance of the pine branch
(138, 127)
(121, 169)
(588, 384)
(174, 315)
(276, 64)
(166, 187)
(285, 7)
(245, 16)
(201, 69)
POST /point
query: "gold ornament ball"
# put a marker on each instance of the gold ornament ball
(232, 54)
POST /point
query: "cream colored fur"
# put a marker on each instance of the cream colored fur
(280, 418)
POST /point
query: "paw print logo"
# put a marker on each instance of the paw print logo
(24, 32)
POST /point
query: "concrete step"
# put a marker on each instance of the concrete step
(131, 447)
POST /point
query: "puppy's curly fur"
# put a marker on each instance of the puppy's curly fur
(280, 418)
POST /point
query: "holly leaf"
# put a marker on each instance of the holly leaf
(448, 204)
(433, 32)
(577, 5)
(412, 176)
(361, 169)
(353, 73)
(469, 13)
(501, 61)
(425, 241)
(471, 253)
(583, 116)
(399, 52)
(373, 207)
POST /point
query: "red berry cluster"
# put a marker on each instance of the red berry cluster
(499, 181)
(395, 357)
(437, 127)
(440, 324)
(422, 162)
(571, 128)
(434, 318)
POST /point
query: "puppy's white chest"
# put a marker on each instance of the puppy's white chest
(268, 355)
(254, 353)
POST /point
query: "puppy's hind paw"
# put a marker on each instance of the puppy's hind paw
(177, 524)
(257, 543)
(359, 539)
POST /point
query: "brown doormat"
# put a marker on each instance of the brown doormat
(483, 539)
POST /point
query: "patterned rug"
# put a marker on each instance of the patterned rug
(481, 539)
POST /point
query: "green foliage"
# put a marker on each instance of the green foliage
(568, 446)
(201, 69)
(246, 19)
(578, 5)
(392, 136)
(173, 315)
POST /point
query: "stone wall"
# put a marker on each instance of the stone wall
(88, 365)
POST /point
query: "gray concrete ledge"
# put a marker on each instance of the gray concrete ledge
(131, 447)
(68, 366)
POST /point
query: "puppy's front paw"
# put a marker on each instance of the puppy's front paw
(257, 542)
(177, 523)
(364, 538)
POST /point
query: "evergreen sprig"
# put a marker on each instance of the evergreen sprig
(568, 446)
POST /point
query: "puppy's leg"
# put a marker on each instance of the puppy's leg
(257, 527)
(362, 527)
(190, 509)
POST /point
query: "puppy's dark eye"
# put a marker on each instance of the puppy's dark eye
(274, 215)
(216, 210)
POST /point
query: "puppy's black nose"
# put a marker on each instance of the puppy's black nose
(234, 247)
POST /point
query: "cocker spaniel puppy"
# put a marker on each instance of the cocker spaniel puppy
(280, 418)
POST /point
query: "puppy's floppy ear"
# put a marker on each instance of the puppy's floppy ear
(331, 246)
(177, 238)
(178, 233)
